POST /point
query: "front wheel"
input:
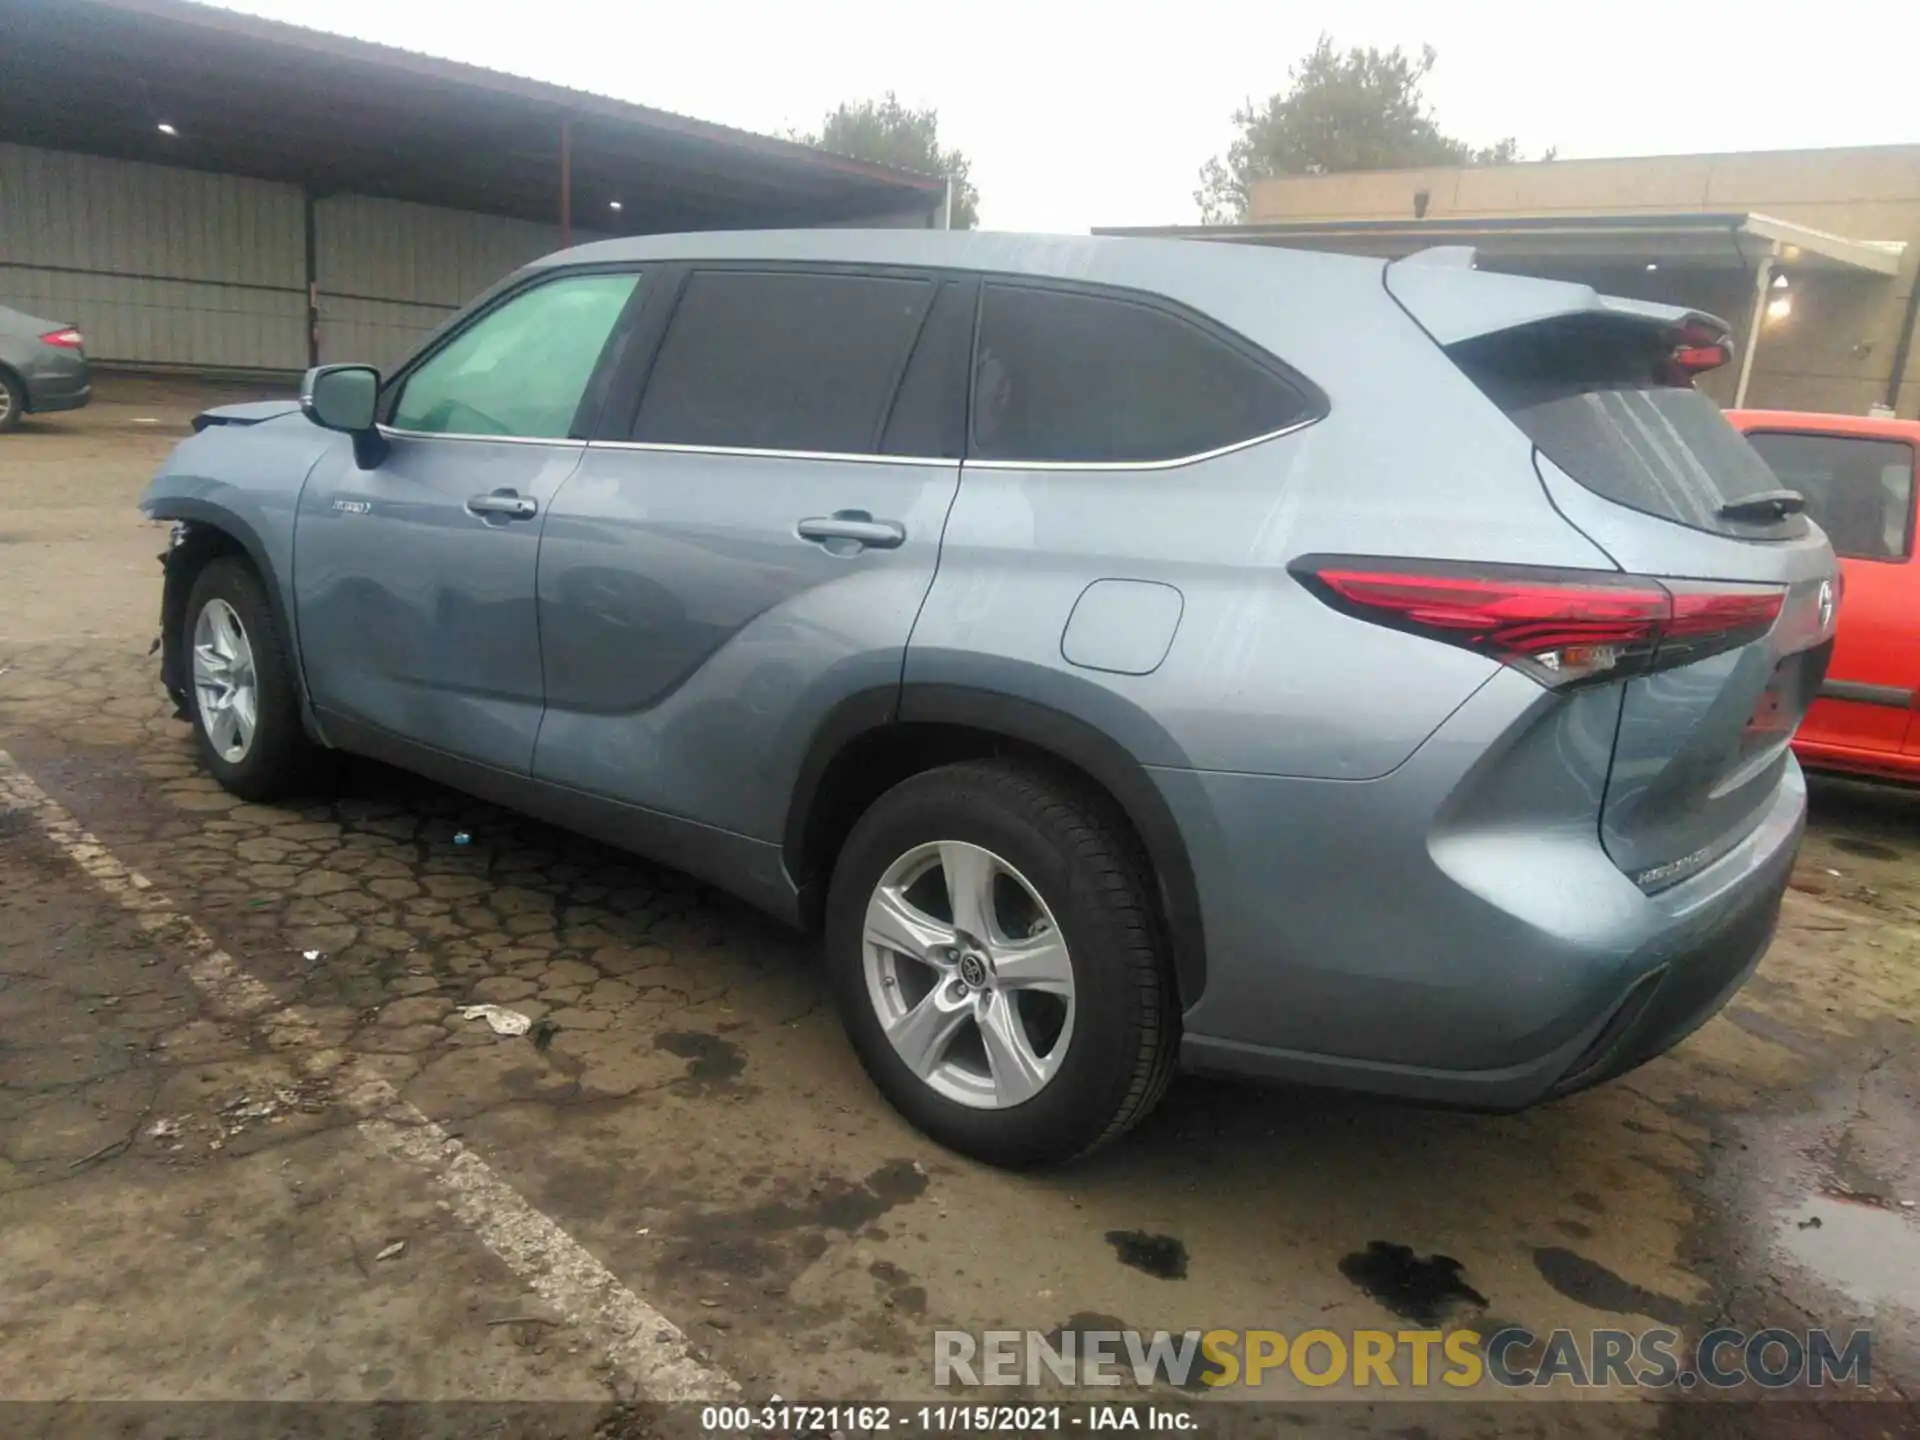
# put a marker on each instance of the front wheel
(997, 963)
(245, 702)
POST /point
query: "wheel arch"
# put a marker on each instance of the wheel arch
(20, 387)
(203, 533)
(874, 740)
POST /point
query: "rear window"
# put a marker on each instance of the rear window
(1063, 376)
(1589, 393)
(1859, 491)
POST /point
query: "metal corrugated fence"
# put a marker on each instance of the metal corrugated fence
(156, 265)
(390, 272)
(160, 265)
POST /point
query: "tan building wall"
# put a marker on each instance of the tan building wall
(1835, 352)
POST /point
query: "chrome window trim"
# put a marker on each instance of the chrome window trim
(395, 432)
(844, 457)
(1174, 464)
(661, 447)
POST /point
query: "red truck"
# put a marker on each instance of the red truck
(1859, 479)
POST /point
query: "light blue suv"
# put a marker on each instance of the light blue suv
(1130, 654)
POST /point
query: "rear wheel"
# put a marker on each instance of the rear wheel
(245, 703)
(997, 964)
(13, 401)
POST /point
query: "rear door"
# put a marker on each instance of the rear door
(1649, 469)
(750, 540)
(1860, 489)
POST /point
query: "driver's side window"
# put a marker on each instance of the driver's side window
(520, 369)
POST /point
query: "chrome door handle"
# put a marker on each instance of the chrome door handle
(856, 526)
(507, 504)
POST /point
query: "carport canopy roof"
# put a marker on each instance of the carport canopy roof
(1704, 240)
(275, 101)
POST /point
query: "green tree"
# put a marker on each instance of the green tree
(892, 134)
(1357, 110)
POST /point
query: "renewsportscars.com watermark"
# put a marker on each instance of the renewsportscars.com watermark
(1511, 1358)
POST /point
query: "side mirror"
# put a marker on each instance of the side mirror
(341, 397)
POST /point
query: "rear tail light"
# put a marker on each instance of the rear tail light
(67, 339)
(1692, 360)
(1561, 627)
(1697, 349)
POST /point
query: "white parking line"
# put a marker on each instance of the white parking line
(650, 1349)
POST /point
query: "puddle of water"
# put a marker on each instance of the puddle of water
(1870, 1254)
(1162, 1256)
(1422, 1288)
(712, 1058)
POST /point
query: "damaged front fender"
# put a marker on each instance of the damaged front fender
(189, 547)
(233, 489)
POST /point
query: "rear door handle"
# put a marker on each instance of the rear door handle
(507, 504)
(855, 526)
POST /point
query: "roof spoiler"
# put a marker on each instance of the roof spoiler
(1452, 301)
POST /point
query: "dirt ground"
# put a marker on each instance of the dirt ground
(198, 1200)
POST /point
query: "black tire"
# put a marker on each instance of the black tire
(13, 401)
(1069, 843)
(281, 759)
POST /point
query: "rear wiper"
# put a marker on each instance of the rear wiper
(1767, 505)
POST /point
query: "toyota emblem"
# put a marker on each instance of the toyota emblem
(1826, 603)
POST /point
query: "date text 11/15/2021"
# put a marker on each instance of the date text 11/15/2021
(785, 1418)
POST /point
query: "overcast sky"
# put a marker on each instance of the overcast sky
(1080, 114)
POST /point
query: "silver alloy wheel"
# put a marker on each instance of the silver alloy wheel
(224, 685)
(7, 402)
(977, 1000)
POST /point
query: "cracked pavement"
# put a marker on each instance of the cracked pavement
(185, 1213)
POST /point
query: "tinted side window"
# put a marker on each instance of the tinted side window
(1064, 376)
(781, 361)
(1859, 491)
(930, 413)
(521, 368)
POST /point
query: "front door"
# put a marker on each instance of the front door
(414, 579)
(754, 546)
(1860, 489)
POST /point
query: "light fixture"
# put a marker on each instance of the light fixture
(1779, 282)
(167, 129)
(613, 204)
(1780, 309)
(1652, 265)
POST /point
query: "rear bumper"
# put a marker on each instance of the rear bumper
(1355, 940)
(1677, 995)
(57, 380)
(71, 400)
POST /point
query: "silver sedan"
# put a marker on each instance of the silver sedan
(43, 366)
